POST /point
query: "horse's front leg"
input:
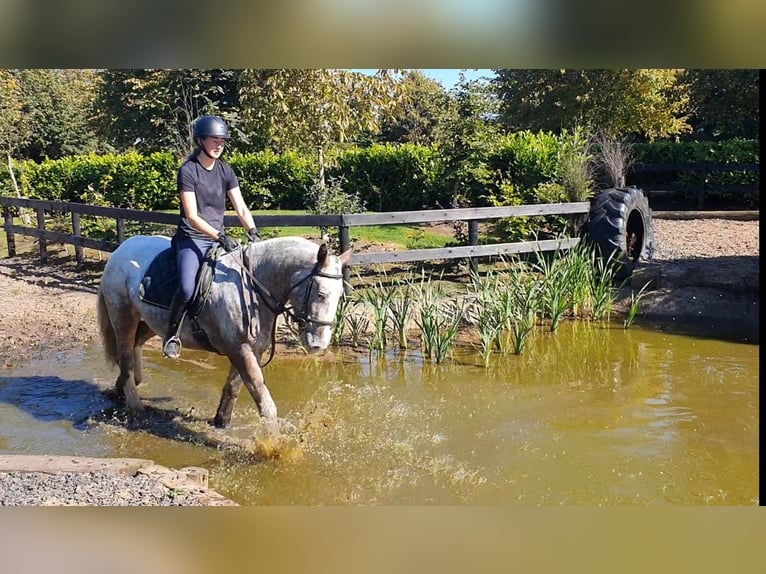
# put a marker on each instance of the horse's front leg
(250, 371)
(229, 395)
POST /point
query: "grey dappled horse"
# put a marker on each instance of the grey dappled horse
(289, 274)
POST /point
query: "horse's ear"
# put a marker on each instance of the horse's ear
(345, 257)
(322, 254)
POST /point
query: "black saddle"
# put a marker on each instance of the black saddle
(160, 282)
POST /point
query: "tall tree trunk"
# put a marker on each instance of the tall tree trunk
(24, 215)
(320, 155)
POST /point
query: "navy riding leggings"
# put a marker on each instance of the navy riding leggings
(189, 256)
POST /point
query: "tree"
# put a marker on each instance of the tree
(56, 107)
(643, 102)
(14, 129)
(311, 109)
(416, 115)
(725, 103)
(156, 109)
(463, 138)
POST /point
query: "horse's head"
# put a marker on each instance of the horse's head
(315, 296)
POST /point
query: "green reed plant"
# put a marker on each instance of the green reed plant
(378, 300)
(483, 312)
(578, 264)
(438, 319)
(358, 323)
(525, 307)
(635, 298)
(449, 319)
(603, 291)
(400, 310)
(340, 315)
(556, 285)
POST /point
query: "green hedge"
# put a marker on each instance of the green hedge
(389, 177)
(126, 180)
(274, 181)
(504, 171)
(729, 151)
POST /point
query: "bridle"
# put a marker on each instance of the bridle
(281, 307)
(304, 317)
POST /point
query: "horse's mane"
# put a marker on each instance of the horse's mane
(280, 255)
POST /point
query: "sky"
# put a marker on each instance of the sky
(446, 77)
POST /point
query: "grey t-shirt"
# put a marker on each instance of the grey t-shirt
(210, 189)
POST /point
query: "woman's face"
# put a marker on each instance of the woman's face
(213, 145)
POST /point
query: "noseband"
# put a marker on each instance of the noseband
(304, 317)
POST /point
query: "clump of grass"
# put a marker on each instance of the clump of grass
(635, 298)
(438, 319)
(602, 286)
(340, 319)
(378, 300)
(400, 309)
(358, 324)
(524, 309)
(483, 312)
(557, 285)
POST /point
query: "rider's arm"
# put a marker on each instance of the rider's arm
(189, 202)
(245, 217)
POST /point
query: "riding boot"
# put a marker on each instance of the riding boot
(171, 346)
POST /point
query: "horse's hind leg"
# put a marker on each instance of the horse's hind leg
(143, 334)
(231, 390)
(126, 329)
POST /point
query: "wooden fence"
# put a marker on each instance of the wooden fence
(343, 223)
(701, 189)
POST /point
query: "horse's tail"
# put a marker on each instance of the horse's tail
(108, 338)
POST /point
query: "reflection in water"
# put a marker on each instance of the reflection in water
(588, 415)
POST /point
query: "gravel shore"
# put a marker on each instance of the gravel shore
(88, 489)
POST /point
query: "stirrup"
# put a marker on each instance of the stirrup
(172, 348)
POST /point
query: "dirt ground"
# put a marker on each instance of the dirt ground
(703, 271)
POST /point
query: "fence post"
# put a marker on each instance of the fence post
(41, 240)
(8, 233)
(120, 230)
(473, 239)
(344, 234)
(77, 248)
(703, 190)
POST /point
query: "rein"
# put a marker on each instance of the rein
(279, 307)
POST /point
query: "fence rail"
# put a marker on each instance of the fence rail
(703, 188)
(342, 222)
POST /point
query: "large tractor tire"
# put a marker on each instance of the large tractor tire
(620, 226)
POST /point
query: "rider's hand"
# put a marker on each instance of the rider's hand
(253, 234)
(229, 243)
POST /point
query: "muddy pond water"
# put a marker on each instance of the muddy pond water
(590, 415)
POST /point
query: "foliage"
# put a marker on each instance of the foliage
(416, 116)
(725, 103)
(308, 110)
(331, 199)
(390, 177)
(729, 151)
(126, 180)
(155, 110)
(13, 129)
(464, 140)
(615, 156)
(649, 103)
(269, 180)
(56, 105)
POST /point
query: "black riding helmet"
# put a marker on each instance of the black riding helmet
(211, 126)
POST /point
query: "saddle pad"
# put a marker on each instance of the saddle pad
(160, 280)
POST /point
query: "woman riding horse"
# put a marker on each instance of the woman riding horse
(204, 181)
